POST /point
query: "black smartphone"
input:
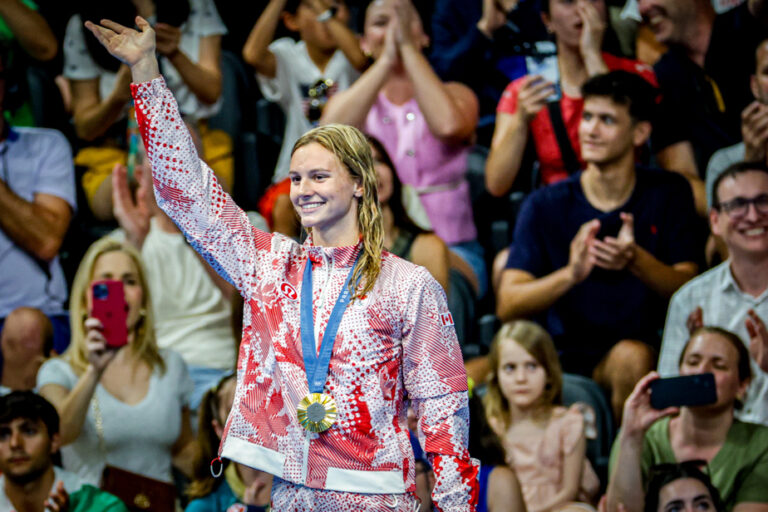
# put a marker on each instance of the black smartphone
(688, 390)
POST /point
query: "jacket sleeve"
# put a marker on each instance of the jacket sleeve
(187, 190)
(436, 383)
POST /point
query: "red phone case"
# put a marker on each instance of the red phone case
(109, 306)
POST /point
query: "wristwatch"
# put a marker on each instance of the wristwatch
(327, 14)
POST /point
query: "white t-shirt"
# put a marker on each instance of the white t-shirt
(192, 316)
(296, 74)
(137, 438)
(204, 20)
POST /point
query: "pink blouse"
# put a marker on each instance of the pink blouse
(435, 169)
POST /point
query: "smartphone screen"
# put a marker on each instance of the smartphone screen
(546, 66)
(688, 390)
(109, 306)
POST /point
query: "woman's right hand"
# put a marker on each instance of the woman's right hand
(99, 355)
(532, 96)
(638, 414)
(129, 45)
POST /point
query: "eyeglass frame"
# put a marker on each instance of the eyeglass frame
(743, 202)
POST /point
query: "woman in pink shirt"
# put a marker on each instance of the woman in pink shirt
(426, 126)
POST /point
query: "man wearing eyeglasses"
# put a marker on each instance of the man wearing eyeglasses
(733, 295)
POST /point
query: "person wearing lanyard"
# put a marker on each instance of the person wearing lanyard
(330, 425)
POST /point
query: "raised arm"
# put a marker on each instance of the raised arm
(30, 29)
(346, 40)
(256, 50)
(451, 110)
(185, 187)
(436, 383)
(626, 479)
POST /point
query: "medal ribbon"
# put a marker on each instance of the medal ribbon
(316, 366)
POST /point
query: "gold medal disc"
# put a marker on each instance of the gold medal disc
(317, 412)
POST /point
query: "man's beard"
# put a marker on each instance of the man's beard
(33, 474)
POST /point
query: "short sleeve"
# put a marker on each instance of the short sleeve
(178, 375)
(78, 63)
(508, 101)
(57, 172)
(277, 89)
(526, 252)
(204, 19)
(56, 371)
(571, 429)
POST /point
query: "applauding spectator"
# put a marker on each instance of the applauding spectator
(600, 252)
(736, 452)
(123, 407)
(725, 295)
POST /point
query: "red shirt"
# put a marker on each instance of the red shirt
(550, 158)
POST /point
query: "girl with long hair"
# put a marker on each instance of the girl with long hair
(335, 332)
(545, 442)
(125, 407)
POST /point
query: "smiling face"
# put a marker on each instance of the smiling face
(119, 266)
(522, 379)
(324, 195)
(26, 449)
(745, 235)
(685, 495)
(607, 133)
(378, 16)
(709, 352)
(668, 19)
(564, 21)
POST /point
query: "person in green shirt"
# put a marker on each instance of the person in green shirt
(29, 436)
(735, 453)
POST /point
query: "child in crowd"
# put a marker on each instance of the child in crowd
(300, 76)
(241, 484)
(545, 442)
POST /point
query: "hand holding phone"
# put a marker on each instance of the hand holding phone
(109, 307)
(688, 390)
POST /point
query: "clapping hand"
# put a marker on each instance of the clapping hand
(129, 45)
(615, 253)
(133, 215)
(758, 339)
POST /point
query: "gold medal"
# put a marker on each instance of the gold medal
(317, 412)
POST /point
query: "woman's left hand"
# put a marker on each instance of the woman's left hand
(593, 28)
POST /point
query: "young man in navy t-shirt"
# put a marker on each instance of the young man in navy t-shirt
(597, 256)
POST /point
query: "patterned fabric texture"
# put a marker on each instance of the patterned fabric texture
(396, 343)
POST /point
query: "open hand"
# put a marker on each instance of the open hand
(133, 215)
(581, 262)
(127, 44)
(758, 339)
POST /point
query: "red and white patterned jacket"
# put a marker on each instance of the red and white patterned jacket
(397, 342)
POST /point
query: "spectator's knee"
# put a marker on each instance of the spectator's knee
(27, 334)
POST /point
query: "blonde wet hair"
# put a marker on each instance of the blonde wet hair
(351, 147)
(538, 343)
(144, 344)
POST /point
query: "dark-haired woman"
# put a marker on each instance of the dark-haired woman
(735, 452)
(685, 486)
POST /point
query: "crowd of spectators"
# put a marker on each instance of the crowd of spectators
(586, 179)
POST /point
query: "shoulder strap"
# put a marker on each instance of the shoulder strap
(570, 159)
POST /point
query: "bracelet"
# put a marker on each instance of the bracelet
(326, 14)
